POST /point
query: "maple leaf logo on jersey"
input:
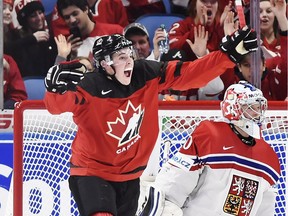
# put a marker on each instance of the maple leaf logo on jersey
(126, 127)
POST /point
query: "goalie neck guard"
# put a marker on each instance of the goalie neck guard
(244, 106)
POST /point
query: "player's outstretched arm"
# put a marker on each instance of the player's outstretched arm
(63, 77)
(239, 43)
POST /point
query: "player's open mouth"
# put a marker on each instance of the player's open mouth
(128, 72)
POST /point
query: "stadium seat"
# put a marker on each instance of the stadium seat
(34, 87)
(153, 21)
(48, 6)
(168, 6)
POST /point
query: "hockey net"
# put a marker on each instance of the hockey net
(42, 151)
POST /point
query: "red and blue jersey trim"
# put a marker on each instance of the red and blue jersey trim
(254, 167)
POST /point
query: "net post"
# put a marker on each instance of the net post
(18, 160)
(18, 153)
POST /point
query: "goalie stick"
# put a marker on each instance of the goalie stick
(166, 150)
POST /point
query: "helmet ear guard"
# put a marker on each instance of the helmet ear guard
(108, 60)
(238, 100)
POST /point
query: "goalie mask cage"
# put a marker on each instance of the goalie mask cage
(42, 151)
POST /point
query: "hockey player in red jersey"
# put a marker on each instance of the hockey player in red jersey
(116, 111)
(225, 167)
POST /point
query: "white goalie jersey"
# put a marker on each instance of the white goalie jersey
(215, 173)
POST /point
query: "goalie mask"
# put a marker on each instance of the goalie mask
(105, 46)
(244, 106)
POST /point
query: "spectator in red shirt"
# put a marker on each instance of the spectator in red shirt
(201, 12)
(273, 71)
(77, 15)
(269, 27)
(104, 11)
(13, 86)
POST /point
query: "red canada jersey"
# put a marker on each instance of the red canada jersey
(184, 29)
(118, 124)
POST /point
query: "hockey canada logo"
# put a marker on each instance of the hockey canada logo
(126, 127)
(241, 196)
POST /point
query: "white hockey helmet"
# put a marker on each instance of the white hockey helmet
(238, 100)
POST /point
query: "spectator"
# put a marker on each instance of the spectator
(273, 71)
(225, 167)
(7, 18)
(269, 28)
(64, 49)
(201, 12)
(138, 34)
(31, 46)
(13, 88)
(77, 15)
(104, 11)
(137, 8)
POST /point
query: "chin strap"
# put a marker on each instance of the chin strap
(246, 140)
(113, 77)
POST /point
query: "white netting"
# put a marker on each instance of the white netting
(47, 141)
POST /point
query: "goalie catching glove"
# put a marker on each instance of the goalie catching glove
(65, 76)
(239, 43)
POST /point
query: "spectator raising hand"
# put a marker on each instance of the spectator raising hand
(199, 47)
(63, 47)
(229, 25)
(227, 9)
(212, 90)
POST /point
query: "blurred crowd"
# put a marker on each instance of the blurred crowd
(36, 38)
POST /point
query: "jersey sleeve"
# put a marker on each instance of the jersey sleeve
(68, 102)
(194, 74)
